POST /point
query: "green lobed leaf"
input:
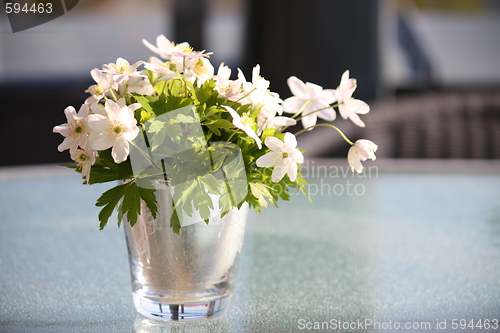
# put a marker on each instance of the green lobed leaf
(175, 223)
(127, 199)
(109, 201)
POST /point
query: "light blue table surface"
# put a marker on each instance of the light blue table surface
(414, 245)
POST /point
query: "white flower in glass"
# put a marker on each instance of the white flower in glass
(245, 124)
(348, 106)
(163, 48)
(284, 156)
(230, 89)
(104, 82)
(361, 151)
(267, 118)
(76, 130)
(123, 69)
(165, 69)
(188, 52)
(257, 93)
(139, 85)
(115, 126)
(84, 158)
(311, 100)
(201, 71)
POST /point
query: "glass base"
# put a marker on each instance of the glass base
(203, 309)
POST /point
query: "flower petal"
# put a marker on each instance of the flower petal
(131, 133)
(292, 171)
(268, 160)
(62, 129)
(100, 141)
(297, 156)
(275, 144)
(279, 172)
(309, 120)
(327, 114)
(282, 121)
(354, 160)
(70, 113)
(356, 120)
(293, 104)
(326, 96)
(120, 150)
(98, 122)
(297, 87)
(290, 140)
(313, 90)
(113, 109)
(347, 91)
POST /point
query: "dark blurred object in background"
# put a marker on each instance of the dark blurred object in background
(315, 41)
(188, 23)
(463, 124)
(29, 111)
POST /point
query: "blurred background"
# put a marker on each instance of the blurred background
(430, 69)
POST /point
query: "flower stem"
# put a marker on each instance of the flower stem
(149, 156)
(113, 95)
(125, 92)
(184, 74)
(328, 125)
(328, 107)
(246, 95)
(301, 109)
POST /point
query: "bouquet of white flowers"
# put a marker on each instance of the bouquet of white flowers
(203, 134)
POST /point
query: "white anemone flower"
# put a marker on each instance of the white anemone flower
(284, 156)
(267, 118)
(104, 82)
(348, 106)
(361, 151)
(122, 69)
(227, 88)
(76, 130)
(201, 71)
(257, 93)
(139, 85)
(245, 124)
(84, 158)
(165, 69)
(114, 129)
(163, 48)
(311, 100)
(190, 54)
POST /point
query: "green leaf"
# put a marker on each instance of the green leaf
(149, 198)
(146, 102)
(127, 198)
(182, 118)
(131, 204)
(211, 184)
(109, 200)
(261, 192)
(175, 224)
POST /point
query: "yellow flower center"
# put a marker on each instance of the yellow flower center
(285, 155)
(247, 121)
(96, 90)
(186, 49)
(122, 67)
(117, 129)
(199, 68)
